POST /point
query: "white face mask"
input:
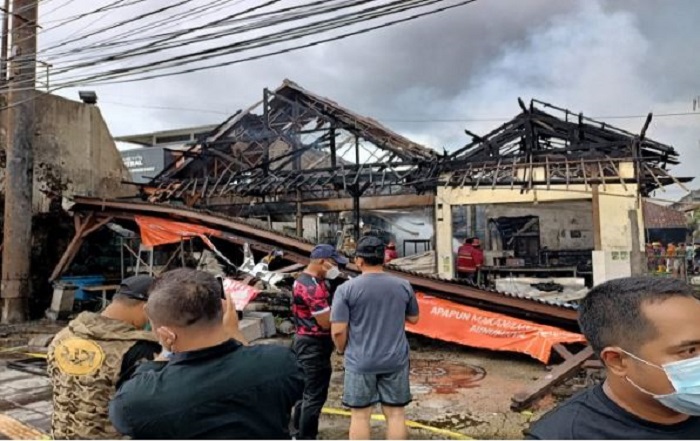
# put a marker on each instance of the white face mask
(332, 273)
(684, 375)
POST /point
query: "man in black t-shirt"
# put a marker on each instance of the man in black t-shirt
(205, 384)
(647, 334)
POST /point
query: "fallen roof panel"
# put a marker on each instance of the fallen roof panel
(297, 250)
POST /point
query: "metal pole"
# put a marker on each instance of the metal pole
(16, 257)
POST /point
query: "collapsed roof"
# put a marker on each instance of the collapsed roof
(295, 146)
(573, 148)
(295, 141)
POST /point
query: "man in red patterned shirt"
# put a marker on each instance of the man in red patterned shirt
(312, 343)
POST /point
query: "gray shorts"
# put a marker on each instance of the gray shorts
(365, 390)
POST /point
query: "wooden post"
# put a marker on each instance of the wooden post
(595, 202)
(637, 256)
(300, 216)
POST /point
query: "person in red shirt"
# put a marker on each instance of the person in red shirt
(390, 253)
(470, 258)
(312, 343)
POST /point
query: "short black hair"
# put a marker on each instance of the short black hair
(611, 313)
(371, 250)
(372, 260)
(185, 297)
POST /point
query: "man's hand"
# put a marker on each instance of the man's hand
(166, 339)
(230, 321)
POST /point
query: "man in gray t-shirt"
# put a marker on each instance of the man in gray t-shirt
(368, 318)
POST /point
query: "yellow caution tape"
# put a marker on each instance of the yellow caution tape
(21, 350)
(412, 424)
(36, 354)
(15, 349)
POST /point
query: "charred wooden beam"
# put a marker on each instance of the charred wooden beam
(539, 388)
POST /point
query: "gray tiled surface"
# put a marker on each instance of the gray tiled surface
(26, 398)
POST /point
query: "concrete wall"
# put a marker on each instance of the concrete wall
(74, 154)
(615, 202)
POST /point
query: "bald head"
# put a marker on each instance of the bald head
(184, 298)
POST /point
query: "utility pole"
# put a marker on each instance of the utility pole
(17, 235)
(4, 137)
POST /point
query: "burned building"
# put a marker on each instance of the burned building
(552, 192)
(303, 163)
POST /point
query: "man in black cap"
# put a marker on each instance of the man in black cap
(90, 357)
(311, 309)
(368, 318)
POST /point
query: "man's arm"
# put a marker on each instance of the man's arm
(339, 333)
(230, 320)
(340, 317)
(129, 401)
(323, 318)
(139, 352)
(412, 311)
(318, 300)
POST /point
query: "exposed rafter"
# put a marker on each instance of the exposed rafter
(296, 146)
(569, 147)
(296, 142)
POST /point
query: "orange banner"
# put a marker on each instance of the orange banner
(450, 321)
(155, 231)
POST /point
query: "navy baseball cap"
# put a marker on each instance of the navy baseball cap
(136, 287)
(325, 251)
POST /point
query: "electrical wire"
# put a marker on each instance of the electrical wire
(109, 77)
(131, 20)
(122, 38)
(390, 119)
(170, 39)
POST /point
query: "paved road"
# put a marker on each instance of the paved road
(25, 404)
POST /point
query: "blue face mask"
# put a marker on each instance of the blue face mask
(684, 375)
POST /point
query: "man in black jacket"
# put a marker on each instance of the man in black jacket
(206, 385)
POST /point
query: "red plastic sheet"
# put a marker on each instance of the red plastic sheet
(155, 231)
(453, 322)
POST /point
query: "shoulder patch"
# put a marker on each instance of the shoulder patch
(77, 356)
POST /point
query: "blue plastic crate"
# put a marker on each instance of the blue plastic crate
(82, 281)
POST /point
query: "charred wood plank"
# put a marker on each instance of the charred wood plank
(539, 388)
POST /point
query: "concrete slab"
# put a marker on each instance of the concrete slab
(268, 322)
(252, 328)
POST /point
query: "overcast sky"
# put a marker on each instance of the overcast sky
(605, 58)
